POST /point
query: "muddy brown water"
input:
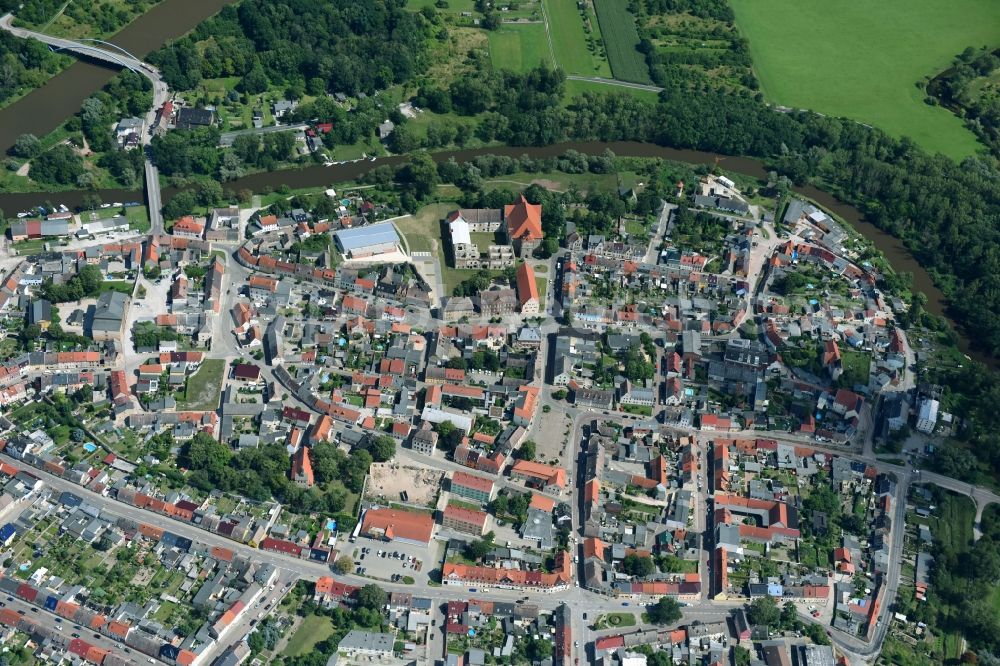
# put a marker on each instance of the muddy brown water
(319, 176)
(45, 108)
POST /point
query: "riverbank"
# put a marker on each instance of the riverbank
(899, 257)
(45, 108)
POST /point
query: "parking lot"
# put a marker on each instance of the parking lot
(400, 560)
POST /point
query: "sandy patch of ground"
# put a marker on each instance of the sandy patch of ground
(387, 481)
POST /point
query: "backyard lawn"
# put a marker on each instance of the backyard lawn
(863, 60)
(204, 387)
(314, 628)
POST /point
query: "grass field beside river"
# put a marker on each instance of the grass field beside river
(576, 43)
(862, 60)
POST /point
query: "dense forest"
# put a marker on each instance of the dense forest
(971, 88)
(302, 46)
(25, 64)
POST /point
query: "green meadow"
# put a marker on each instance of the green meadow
(862, 60)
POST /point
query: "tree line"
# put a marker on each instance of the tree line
(25, 63)
(960, 89)
(301, 46)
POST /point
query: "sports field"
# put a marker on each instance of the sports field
(621, 39)
(576, 50)
(862, 60)
(519, 47)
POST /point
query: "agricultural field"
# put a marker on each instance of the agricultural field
(620, 40)
(575, 38)
(519, 47)
(864, 60)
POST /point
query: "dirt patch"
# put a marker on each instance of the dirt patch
(388, 481)
(548, 184)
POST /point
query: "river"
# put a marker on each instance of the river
(320, 176)
(45, 108)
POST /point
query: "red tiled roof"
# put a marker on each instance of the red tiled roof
(527, 288)
(472, 481)
(461, 514)
(302, 467)
(542, 503)
(396, 524)
(545, 473)
(524, 220)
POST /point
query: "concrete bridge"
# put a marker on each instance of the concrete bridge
(111, 54)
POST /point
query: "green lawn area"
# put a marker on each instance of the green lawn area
(862, 60)
(556, 180)
(418, 230)
(679, 565)
(574, 51)
(138, 218)
(454, 6)
(955, 516)
(519, 47)
(639, 410)
(163, 613)
(635, 227)
(995, 599)
(483, 239)
(204, 387)
(542, 282)
(124, 286)
(29, 247)
(465, 505)
(314, 628)
(857, 366)
(617, 620)
(574, 88)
